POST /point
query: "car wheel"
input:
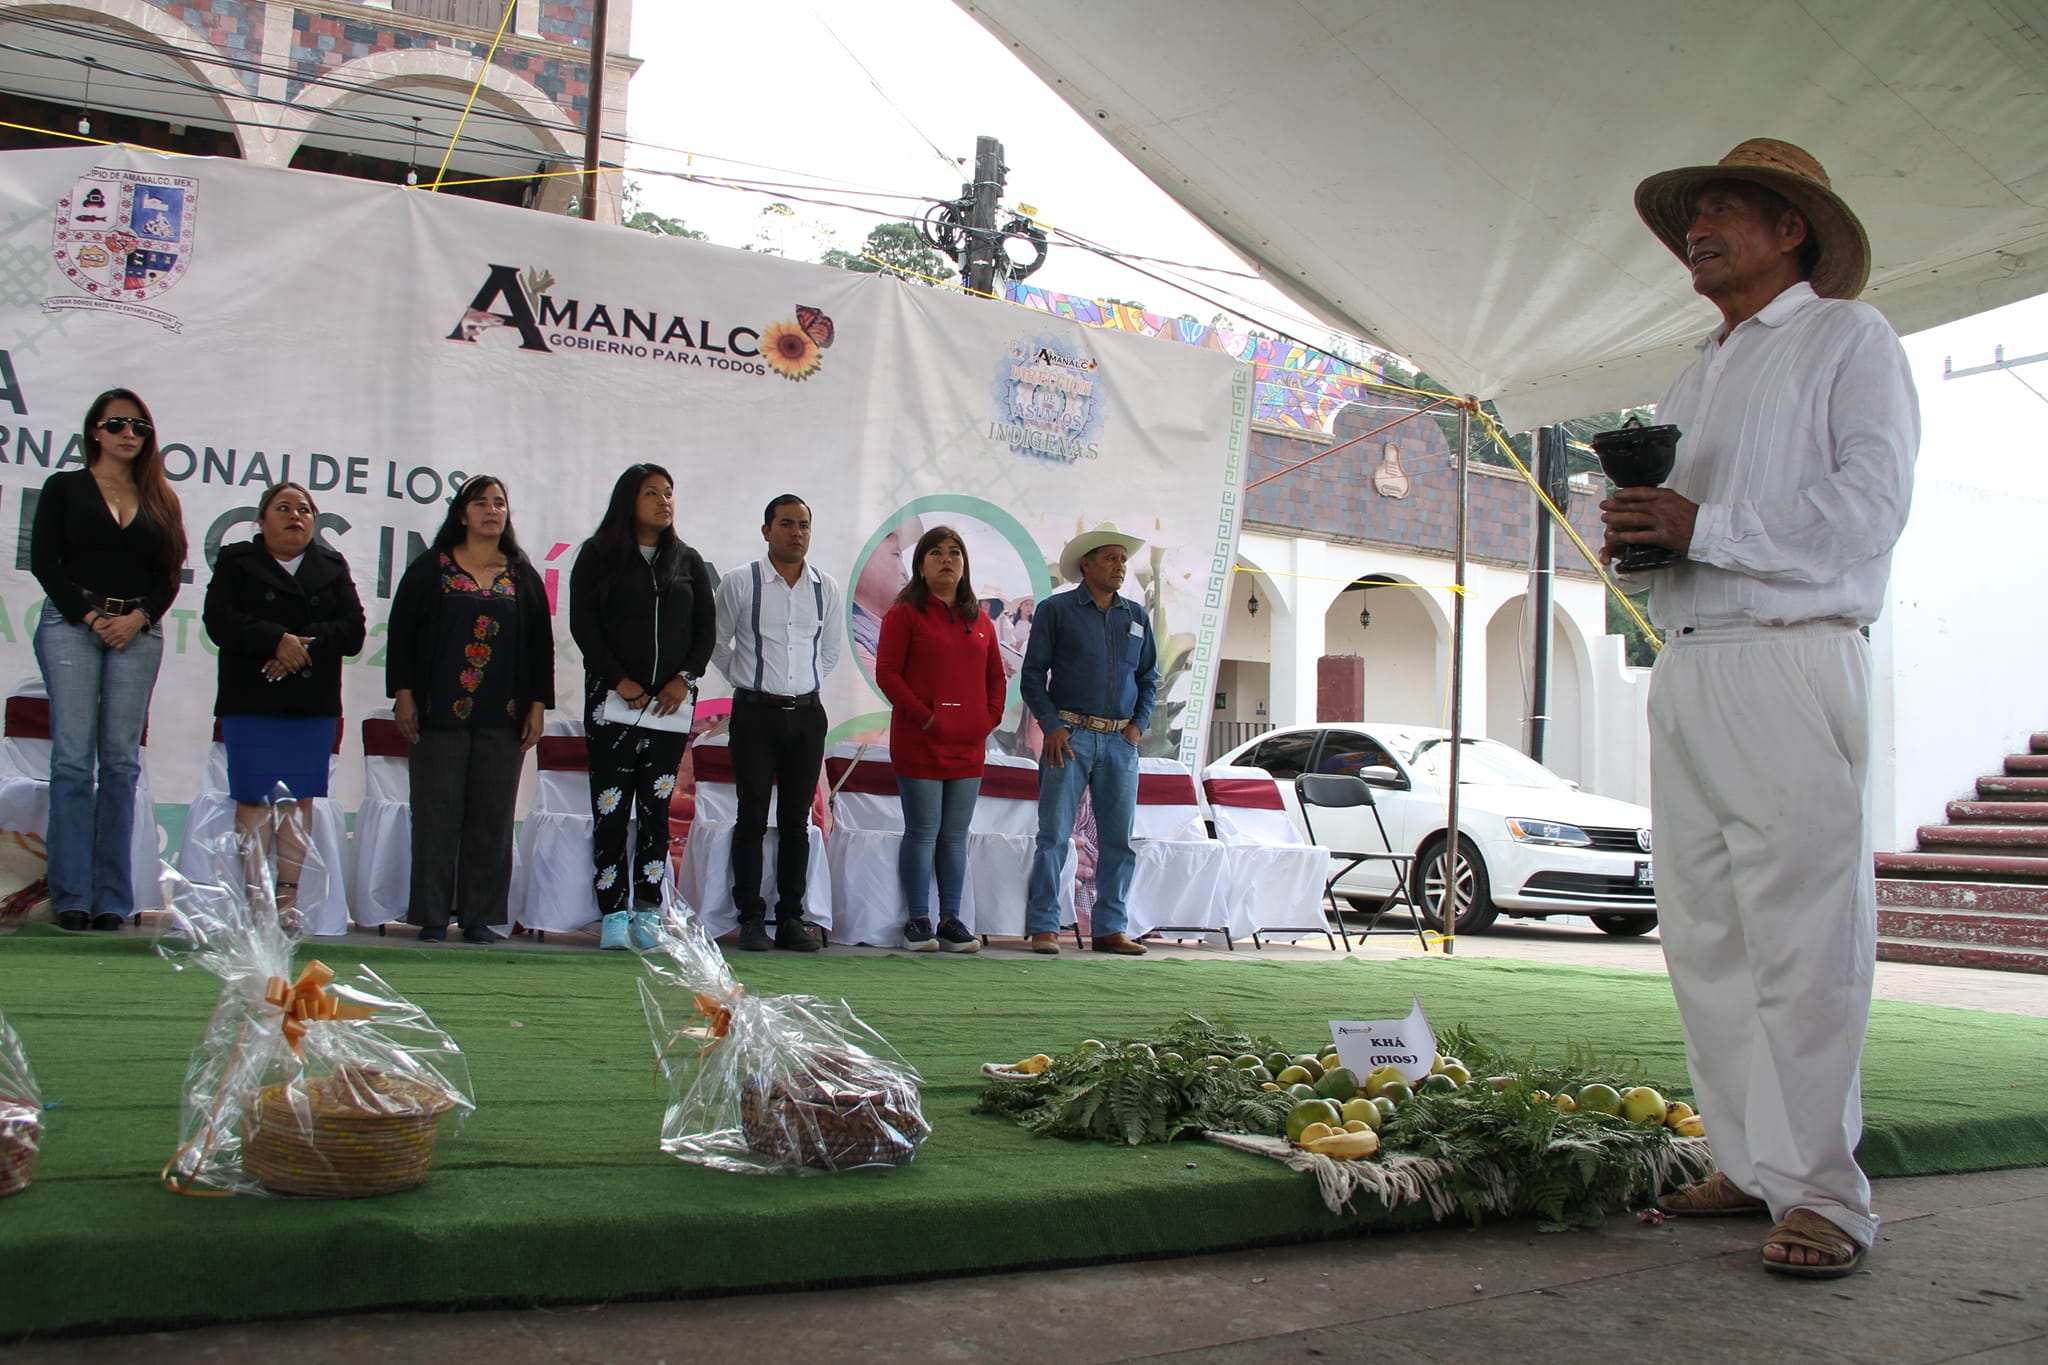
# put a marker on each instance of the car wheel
(1475, 907)
(1624, 926)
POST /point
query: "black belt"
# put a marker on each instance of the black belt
(111, 606)
(775, 699)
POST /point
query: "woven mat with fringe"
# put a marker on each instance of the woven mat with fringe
(1400, 1179)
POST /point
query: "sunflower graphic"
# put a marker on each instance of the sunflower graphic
(790, 351)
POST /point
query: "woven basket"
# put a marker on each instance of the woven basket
(21, 1134)
(831, 1123)
(354, 1134)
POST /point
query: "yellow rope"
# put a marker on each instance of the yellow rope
(469, 104)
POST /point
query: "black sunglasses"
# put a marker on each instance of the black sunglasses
(117, 425)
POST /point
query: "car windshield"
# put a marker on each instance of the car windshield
(1486, 761)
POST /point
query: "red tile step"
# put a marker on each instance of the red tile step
(2015, 838)
(1981, 866)
(2020, 788)
(1992, 898)
(1939, 954)
(1956, 926)
(2025, 765)
(1998, 812)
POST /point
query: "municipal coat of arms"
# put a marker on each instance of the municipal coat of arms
(122, 238)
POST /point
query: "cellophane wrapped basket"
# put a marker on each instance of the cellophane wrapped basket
(770, 1083)
(302, 1084)
(21, 1114)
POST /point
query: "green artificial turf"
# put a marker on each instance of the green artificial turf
(556, 1190)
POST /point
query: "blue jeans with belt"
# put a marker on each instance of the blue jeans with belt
(99, 703)
(1107, 764)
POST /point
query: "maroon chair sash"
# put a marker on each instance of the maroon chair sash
(28, 718)
(564, 754)
(1245, 793)
(381, 738)
(1166, 789)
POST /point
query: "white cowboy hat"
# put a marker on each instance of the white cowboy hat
(1105, 534)
(1666, 202)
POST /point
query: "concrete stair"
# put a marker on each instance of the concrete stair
(1975, 891)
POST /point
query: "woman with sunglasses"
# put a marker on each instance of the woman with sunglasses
(283, 612)
(940, 667)
(471, 671)
(108, 548)
(641, 609)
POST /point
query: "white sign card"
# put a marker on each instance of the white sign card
(1406, 1043)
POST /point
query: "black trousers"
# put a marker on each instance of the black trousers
(632, 777)
(465, 789)
(778, 750)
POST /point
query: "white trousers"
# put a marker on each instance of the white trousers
(1767, 900)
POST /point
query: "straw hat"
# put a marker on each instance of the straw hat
(1666, 202)
(1105, 534)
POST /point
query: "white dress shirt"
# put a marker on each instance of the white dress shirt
(775, 636)
(1798, 432)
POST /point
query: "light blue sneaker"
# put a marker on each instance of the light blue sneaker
(646, 929)
(613, 933)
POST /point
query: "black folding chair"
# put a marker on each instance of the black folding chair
(1344, 791)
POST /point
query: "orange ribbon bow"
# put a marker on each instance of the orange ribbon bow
(717, 1019)
(307, 1001)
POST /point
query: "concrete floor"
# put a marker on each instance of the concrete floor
(1960, 1273)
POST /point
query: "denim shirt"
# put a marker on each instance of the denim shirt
(1101, 663)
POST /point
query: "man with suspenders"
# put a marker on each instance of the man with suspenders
(777, 642)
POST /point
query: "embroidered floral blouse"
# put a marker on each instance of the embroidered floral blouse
(474, 650)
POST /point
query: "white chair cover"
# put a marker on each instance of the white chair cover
(381, 882)
(25, 786)
(705, 879)
(323, 891)
(1276, 880)
(1181, 881)
(1001, 840)
(557, 894)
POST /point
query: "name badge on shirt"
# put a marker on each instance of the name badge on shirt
(1137, 629)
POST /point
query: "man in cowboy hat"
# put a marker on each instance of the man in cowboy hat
(1799, 426)
(1089, 676)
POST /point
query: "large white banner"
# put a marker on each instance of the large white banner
(379, 345)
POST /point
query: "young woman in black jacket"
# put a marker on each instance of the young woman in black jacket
(641, 610)
(283, 612)
(470, 667)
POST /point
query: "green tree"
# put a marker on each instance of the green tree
(636, 215)
(1641, 653)
(894, 249)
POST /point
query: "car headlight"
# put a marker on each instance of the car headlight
(1548, 832)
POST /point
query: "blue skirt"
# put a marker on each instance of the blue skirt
(266, 750)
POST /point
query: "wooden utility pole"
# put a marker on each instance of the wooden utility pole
(593, 116)
(983, 242)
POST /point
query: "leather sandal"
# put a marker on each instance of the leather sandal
(1715, 1197)
(1808, 1230)
(1121, 944)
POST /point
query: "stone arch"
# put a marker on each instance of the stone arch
(437, 67)
(175, 41)
(1405, 649)
(1566, 745)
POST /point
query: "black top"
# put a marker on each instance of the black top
(475, 652)
(78, 548)
(252, 603)
(626, 629)
(415, 621)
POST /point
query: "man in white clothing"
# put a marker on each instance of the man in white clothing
(1799, 426)
(778, 639)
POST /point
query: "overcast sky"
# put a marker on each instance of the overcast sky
(860, 105)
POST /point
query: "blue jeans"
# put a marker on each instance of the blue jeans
(1106, 764)
(99, 703)
(936, 814)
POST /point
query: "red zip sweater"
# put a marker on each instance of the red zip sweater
(944, 680)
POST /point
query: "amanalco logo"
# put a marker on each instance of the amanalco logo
(543, 322)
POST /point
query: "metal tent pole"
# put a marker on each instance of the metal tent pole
(1447, 908)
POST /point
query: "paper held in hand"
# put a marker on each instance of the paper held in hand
(1408, 1043)
(618, 711)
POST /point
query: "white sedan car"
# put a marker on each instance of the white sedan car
(1530, 843)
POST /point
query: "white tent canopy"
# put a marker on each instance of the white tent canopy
(1453, 182)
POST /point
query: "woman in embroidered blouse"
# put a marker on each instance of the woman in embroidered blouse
(471, 673)
(108, 548)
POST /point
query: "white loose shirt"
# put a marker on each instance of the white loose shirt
(774, 636)
(1798, 432)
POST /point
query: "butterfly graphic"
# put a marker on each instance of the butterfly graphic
(816, 325)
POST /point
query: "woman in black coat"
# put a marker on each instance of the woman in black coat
(471, 671)
(283, 612)
(641, 609)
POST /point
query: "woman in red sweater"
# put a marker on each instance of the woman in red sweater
(940, 668)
